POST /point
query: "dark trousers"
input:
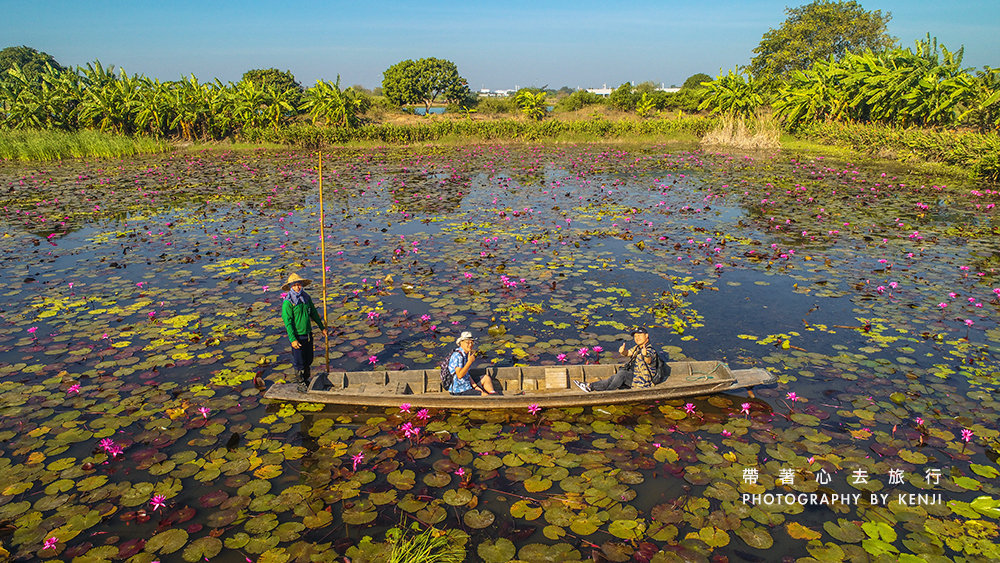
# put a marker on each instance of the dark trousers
(302, 357)
(623, 378)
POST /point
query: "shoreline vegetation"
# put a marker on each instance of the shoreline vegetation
(975, 155)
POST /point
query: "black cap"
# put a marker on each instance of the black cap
(639, 330)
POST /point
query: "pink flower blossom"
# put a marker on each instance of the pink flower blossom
(425, 318)
(157, 502)
(919, 421)
(942, 305)
(968, 322)
(373, 360)
(357, 458)
(50, 543)
(561, 357)
(745, 408)
(727, 433)
(422, 414)
(204, 412)
(534, 408)
(583, 351)
(597, 349)
(460, 472)
(75, 388)
(689, 408)
(792, 397)
(405, 407)
(967, 434)
(33, 330)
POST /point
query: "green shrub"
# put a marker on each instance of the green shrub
(578, 100)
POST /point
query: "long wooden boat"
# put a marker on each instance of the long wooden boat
(545, 386)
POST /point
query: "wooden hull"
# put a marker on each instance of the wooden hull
(522, 387)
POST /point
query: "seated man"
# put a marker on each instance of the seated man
(643, 362)
(459, 364)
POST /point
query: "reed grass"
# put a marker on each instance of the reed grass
(34, 145)
(498, 130)
(759, 132)
(978, 154)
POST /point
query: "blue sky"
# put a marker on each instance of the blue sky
(496, 44)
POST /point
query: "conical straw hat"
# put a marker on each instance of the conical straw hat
(295, 278)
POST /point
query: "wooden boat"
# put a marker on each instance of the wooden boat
(545, 386)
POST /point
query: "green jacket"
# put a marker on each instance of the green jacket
(297, 316)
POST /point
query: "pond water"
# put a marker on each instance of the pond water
(141, 297)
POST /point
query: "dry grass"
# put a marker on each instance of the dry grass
(761, 131)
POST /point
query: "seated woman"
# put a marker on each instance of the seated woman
(460, 362)
(643, 361)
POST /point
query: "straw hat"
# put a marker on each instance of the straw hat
(464, 336)
(295, 278)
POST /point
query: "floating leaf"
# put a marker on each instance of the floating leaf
(755, 537)
(800, 532)
(987, 471)
(525, 509)
(202, 548)
(500, 551)
(167, 541)
(458, 497)
(478, 519)
(986, 506)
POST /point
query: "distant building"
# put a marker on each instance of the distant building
(605, 91)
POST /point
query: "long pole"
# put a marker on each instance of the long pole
(322, 253)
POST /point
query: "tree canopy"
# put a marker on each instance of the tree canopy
(422, 81)
(695, 80)
(816, 32)
(280, 81)
(31, 61)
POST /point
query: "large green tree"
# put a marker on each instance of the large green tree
(816, 32)
(423, 81)
(280, 82)
(31, 61)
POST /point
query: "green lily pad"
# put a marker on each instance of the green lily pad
(458, 497)
(167, 541)
(525, 509)
(500, 551)
(478, 519)
(202, 548)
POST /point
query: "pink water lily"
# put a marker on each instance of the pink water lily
(266, 287)
(75, 388)
(158, 502)
(405, 407)
(597, 349)
(919, 421)
(423, 414)
(967, 434)
(50, 543)
(372, 360)
(745, 408)
(204, 412)
(460, 472)
(792, 397)
(357, 458)
(33, 330)
(561, 357)
(583, 351)
(534, 408)
(689, 408)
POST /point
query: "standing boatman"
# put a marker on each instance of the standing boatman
(297, 310)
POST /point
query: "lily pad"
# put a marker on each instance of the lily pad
(478, 519)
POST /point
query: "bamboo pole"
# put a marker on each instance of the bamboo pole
(322, 253)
